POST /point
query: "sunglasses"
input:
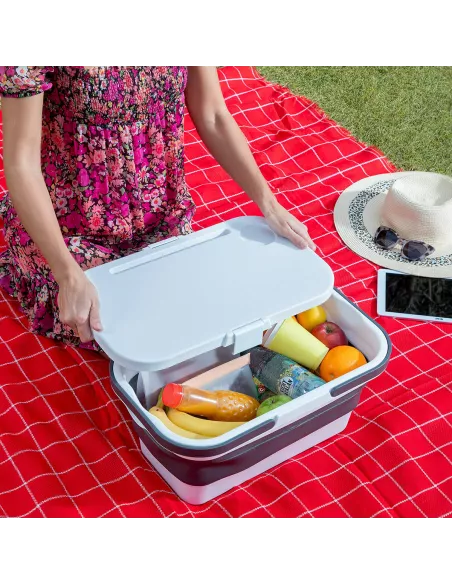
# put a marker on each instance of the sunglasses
(411, 250)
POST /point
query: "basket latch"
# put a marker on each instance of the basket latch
(248, 336)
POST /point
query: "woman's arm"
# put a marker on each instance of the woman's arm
(22, 122)
(228, 145)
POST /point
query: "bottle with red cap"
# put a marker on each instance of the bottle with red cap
(222, 405)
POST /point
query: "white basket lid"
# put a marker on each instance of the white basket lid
(218, 287)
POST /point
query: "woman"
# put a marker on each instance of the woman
(93, 161)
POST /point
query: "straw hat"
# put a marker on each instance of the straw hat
(417, 206)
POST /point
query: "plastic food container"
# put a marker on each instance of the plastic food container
(186, 309)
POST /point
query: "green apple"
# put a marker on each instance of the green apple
(271, 403)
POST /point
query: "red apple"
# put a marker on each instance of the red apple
(330, 334)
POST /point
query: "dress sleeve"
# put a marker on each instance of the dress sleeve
(24, 81)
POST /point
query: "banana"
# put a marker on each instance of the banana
(160, 415)
(159, 403)
(207, 428)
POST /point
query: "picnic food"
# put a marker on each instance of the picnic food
(271, 403)
(161, 415)
(312, 317)
(330, 334)
(225, 406)
(339, 361)
(280, 374)
(292, 340)
(159, 403)
(262, 392)
(207, 428)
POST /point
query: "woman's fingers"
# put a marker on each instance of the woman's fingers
(301, 231)
(94, 316)
(301, 240)
(79, 305)
(83, 328)
(86, 324)
(286, 225)
(296, 238)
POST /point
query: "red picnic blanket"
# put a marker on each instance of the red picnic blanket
(67, 447)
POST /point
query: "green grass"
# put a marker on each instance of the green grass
(405, 111)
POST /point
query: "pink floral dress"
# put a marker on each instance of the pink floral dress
(113, 163)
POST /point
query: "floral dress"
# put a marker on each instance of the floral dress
(113, 162)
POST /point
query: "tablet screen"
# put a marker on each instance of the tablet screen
(407, 294)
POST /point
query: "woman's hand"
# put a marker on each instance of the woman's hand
(285, 224)
(225, 141)
(79, 304)
(22, 124)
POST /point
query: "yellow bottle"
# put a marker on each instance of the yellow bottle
(223, 406)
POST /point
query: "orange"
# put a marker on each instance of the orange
(340, 361)
(312, 317)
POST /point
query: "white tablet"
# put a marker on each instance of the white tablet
(416, 297)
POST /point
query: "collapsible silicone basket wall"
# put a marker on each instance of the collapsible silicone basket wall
(195, 302)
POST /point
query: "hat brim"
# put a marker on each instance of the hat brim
(357, 216)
